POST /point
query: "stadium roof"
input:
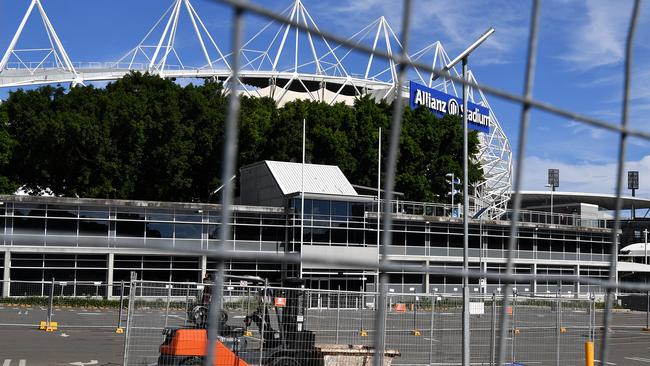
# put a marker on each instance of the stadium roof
(319, 179)
(604, 201)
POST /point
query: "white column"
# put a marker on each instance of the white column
(5, 275)
(426, 280)
(577, 284)
(204, 267)
(534, 272)
(109, 274)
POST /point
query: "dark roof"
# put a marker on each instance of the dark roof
(604, 201)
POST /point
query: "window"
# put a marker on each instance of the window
(160, 230)
(188, 231)
(245, 232)
(93, 228)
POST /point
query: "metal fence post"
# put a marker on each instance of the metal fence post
(433, 312)
(119, 316)
(591, 324)
(558, 320)
(169, 297)
(262, 337)
(514, 325)
(187, 304)
(493, 330)
(647, 310)
(129, 314)
(338, 312)
(50, 307)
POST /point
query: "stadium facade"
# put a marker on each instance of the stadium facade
(77, 239)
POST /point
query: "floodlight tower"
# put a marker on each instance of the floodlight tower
(633, 184)
(453, 182)
(553, 182)
(463, 57)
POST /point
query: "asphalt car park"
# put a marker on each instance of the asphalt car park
(88, 336)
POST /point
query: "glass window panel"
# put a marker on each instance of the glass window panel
(190, 263)
(270, 233)
(62, 211)
(416, 239)
(246, 232)
(188, 231)
(189, 216)
(355, 237)
(62, 226)
(160, 230)
(320, 207)
(339, 236)
(93, 228)
(29, 210)
(160, 216)
(130, 216)
(29, 225)
(321, 235)
(129, 229)
(525, 244)
(94, 212)
(371, 237)
(240, 219)
(357, 209)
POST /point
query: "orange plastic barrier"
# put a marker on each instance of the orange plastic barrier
(400, 308)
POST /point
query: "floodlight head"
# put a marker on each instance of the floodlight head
(467, 51)
(554, 178)
(633, 180)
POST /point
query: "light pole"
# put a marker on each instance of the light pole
(464, 57)
(647, 293)
(552, 190)
(645, 235)
(453, 181)
(633, 184)
(553, 182)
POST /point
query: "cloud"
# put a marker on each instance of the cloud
(455, 24)
(597, 38)
(585, 177)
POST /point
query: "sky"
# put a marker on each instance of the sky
(579, 65)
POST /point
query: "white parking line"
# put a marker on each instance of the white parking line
(7, 362)
(607, 363)
(639, 359)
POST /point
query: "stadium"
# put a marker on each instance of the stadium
(81, 240)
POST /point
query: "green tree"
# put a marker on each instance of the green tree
(143, 137)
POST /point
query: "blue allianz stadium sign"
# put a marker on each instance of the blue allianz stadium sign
(478, 117)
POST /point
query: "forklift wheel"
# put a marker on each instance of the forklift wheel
(284, 361)
(192, 361)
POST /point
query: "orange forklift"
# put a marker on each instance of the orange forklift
(289, 345)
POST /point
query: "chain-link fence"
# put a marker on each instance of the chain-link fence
(69, 304)
(505, 335)
(420, 329)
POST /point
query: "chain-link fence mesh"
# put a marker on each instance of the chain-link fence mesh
(421, 329)
(69, 304)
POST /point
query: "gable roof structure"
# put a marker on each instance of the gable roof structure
(318, 179)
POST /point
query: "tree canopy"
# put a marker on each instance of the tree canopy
(143, 137)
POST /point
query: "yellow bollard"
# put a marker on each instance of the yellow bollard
(363, 333)
(589, 353)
